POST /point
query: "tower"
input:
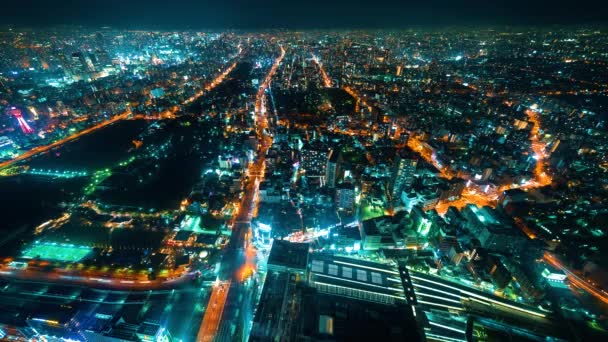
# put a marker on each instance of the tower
(314, 158)
(332, 170)
(345, 196)
(404, 169)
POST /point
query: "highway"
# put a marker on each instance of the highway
(213, 314)
(575, 280)
(105, 282)
(177, 309)
(326, 79)
(219, 79)
(41, 149)
(236, 266)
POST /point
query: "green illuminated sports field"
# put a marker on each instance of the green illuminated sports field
(56, 252)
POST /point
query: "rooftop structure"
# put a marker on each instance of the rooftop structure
(356, 279)
(288, 256)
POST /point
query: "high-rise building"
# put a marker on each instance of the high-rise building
(78, 66)
(404, 169)
(345, 196)
(332, 170)
(102, 58)
(314, 158)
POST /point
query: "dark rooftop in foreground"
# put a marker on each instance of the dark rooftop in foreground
(336, 318)
(286, 255)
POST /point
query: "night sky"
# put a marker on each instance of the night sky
(299, 14)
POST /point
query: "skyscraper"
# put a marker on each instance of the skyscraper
(345, 196)
(314, 158)
(404, 169)
(332, 170)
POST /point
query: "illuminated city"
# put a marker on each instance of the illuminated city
(348, 171)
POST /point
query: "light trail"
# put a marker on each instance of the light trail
(240, 270)
(213, 313)
(541, 175)
(474, 193)
(214, 83)
(260, 106)
(576, 280)
(427, 153)
(41, 149)
(358, 98)
(326, 79)
(95, 279)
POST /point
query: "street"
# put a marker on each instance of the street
(236, 267)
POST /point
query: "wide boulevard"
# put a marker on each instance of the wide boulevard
(238, 263)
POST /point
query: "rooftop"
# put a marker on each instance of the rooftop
(357, 274)
(336, 318)
(288, 254)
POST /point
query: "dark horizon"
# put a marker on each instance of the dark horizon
(424, 28)
(314, 14)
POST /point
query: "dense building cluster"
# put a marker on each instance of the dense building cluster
(446, 185)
